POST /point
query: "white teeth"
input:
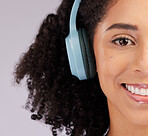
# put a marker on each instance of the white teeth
(143, 91)
(129, 87)
(132, 89)
(146, 91)
(138, 91)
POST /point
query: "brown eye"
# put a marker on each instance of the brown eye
(123, 41)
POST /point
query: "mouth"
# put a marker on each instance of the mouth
(137, 92)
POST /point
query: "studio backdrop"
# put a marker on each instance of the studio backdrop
(19, 23)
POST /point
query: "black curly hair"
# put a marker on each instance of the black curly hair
(55, 96)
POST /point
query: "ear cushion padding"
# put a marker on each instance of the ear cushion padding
(87, 53)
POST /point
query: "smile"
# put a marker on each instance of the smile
(138, 92)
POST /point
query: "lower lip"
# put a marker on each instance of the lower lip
(137, 98)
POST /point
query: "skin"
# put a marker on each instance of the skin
(118, 64)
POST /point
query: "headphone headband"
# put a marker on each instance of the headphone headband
(73, 15)
(80, 56)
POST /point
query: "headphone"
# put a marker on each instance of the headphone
(80, 53)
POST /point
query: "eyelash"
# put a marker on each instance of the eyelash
(122, 38)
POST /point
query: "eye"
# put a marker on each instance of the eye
(123, 41)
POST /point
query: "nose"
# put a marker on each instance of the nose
(141, 60)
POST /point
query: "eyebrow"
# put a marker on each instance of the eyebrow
(123, 26)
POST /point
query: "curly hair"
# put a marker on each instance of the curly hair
(55, 96)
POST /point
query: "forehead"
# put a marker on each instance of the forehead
(128, 11)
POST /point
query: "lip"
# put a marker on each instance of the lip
(135, 97)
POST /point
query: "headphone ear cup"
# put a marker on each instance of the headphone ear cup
(87, 53)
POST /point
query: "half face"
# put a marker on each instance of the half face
(121, 52)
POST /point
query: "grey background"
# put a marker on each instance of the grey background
(19, 23)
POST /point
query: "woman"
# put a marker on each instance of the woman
(117, 97)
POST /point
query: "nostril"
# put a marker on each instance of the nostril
(137, 70)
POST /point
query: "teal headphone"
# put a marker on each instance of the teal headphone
(80, 53)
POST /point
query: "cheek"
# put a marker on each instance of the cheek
(111, 65)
